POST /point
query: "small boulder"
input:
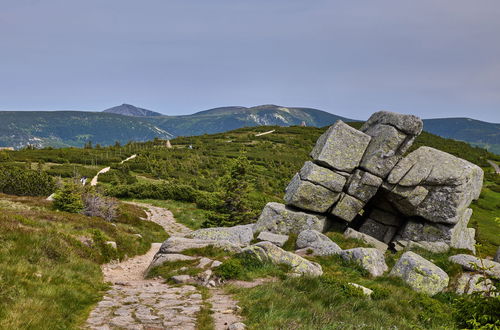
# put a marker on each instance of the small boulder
(161, 258)
(276, 255)
(276, 239)
(240, 235)
(367, 292)
(237, 326)
(183, 279)
(421, 274)
(473, 263)
(320, 244)
(497, 256)
(280, 219)
(469, 283)
(351, 233)
(111, 244)
(370, 259)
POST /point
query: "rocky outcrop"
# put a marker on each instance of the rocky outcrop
(421, 274)
(370, 259)
(266, 251)
(360, 178)
(176, 244)
(468, 262)
(318, 243)
(239, 235)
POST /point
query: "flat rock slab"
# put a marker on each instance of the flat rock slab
(276, 239)
(239, 235)
(179, 244)
(421, 274)
(473, 263)
(370, 259)
(280, 219)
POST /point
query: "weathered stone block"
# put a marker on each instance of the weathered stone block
(408, 124)
(363, 185)
(351, 233)
(319, 243)
(347, 208)
(469, 283)
(322, 176)
(421, 274)
(280, 219)
(384, 151)
(241, 235)
(385, 217)
(276, 239)
(309, 196)
(380, 231)
(473, 263)
(341, 147)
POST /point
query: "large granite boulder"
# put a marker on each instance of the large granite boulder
(457, 236)
(370, 259)
(299, 266)
(240, 235)
(468, 262)
(421, 274)
(320, 244)
(280, 219)
(324, 177)
(309, 196)
(176, 244)
(434, 185)
(341, 147)
(392, 134)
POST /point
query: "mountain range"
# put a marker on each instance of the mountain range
(126, 122)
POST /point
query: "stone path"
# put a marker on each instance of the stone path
(137, 303)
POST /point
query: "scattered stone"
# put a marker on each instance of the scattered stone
(351, 233)
(341, 147)
(216, 263)
(370, 259)
(111, 244)
(320, 244)
(237, 326)
(363, 185)
(468, 262)
(183, 279)
(347, 208)
(240, 235)
(469, 283)
(366, 291)
(276, 239)
(176, 244)
(280, 219)
(204, 262)
(51, 197)
(421, 274)
(270, 252)
(309, 196)
(139, 236)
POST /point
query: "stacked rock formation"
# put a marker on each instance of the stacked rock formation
(360, 178)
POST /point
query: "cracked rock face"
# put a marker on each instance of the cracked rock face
(361, 179)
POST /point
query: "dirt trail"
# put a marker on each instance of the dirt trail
(137, 303)
(495, 166)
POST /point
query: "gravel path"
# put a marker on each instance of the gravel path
(137, 303)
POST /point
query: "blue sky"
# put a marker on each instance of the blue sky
(427, 57)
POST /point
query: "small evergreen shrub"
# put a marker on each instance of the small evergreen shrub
(69, 198)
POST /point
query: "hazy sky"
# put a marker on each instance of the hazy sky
(434, 58)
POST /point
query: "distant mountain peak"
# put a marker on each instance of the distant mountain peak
(132, 111)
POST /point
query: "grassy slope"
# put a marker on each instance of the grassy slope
(49, 279)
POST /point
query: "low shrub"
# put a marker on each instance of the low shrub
(20, 181)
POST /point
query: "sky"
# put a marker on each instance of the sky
(432, 58)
